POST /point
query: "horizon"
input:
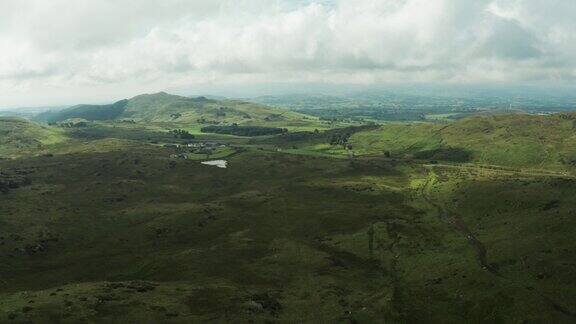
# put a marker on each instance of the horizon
(65, 53)
(514, 91)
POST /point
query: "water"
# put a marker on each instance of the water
(223, 164)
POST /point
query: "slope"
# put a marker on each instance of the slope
(18, 136)
(517, 140)
(166, 108)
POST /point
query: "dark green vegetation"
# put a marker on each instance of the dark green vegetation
(19, 136)
(182, 134)
(244, 130)
(467, 222)
(88, 112)
(166, 108)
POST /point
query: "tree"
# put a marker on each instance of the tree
(182, 134)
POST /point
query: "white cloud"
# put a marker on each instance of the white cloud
(89, 47)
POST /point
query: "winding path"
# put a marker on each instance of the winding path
(480, 250)
(456, 221)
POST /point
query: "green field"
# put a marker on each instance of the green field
(464, 222)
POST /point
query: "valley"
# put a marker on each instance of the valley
(116, 218)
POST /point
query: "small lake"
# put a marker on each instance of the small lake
(223, 164)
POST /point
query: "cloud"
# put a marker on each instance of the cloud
(509, 41)
(132, 45)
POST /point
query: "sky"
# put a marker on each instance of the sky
(61, 52)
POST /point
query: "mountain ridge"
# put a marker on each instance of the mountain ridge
(164, 107)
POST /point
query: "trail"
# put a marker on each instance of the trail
(480, 250)
(457, 223)
(504, 170)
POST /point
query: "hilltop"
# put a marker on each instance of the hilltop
(166, 108)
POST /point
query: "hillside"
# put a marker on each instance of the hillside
(20, 136)
(114, 226)
(166, 108)
(129, 235)
(88, 112)
(509, 140)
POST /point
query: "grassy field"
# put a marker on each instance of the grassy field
(517, 141)
(108, 228)
(20, 137)
(509, 140)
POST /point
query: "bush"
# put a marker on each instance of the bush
(182, 134)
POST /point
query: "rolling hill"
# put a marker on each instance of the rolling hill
(116, 229)
(517, 140)
(19, 136)
(166, 108)
(133, 236)
(510, 140)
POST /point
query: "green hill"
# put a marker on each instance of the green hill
(508, 140)
(89, 112)
(166, 108)
(114, 228)
(19, 136)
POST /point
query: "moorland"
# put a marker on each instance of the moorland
(107, 215)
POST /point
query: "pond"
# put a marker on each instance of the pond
(223, 164)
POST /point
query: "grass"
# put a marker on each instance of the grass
(111, 229)
(174, 224)
(219, 153)
(19, 137)
(163, 108)
(545, 142)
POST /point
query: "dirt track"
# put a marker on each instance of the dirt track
(456, 222)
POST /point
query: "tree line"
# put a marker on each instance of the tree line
(244, 130)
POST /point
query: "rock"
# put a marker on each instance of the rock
(141, 286)
(269, 303)
(253, 307)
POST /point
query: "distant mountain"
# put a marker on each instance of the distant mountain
(164, 107)
(29, 112)
(89, 112)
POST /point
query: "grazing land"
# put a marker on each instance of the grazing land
(108, 215)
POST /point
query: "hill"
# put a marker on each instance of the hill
(89, 112)
(166, 108)
(20, 136)
(132, 236)
(517, 140)
(115, 226)
(510, 140)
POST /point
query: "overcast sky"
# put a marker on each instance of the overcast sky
(71, 51)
